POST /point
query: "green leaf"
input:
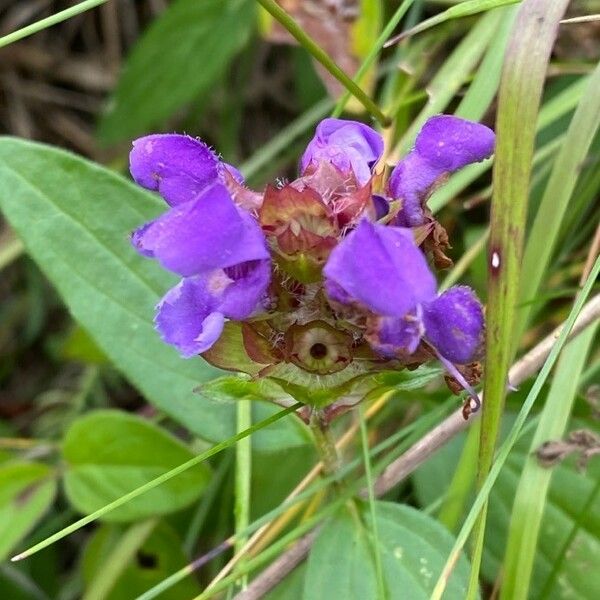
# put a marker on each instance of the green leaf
(110, 453)
(413, 548)
(74, 218)
(183, 53)
(567, 496)
(26, 492)
(159, 556)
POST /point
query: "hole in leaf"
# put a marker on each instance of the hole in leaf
(145, 560)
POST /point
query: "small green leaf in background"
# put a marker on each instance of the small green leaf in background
(159, 556)
(110, 453)
(183, 53)
(413, 548)
(26, 492)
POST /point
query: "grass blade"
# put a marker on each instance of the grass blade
(243, 475)
(520, 93)
(530, 498)
(54, 19)
(558, 192)
(154, 483)
(464, 9)
(319, 54)
(517, 428)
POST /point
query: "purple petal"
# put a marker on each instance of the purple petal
(179, 167)
(206, 234)
(248, 283)
(348, 145)
(411, 181)
(398, 333)
(450, 143)
(381, 268)
(188, 317)
(444, 145)
(454, 324)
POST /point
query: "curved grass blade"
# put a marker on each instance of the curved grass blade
(559, 189)
(54, 19)
(515, 432)
(530, 498)
(154, 483)
(464, 9)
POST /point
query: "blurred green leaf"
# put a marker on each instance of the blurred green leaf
(181, 55)
(413, 548)
(110, 453)
(79, 345)
(74, 218)
(26, 492)
(159, 556)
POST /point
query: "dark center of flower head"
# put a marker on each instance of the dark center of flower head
(318, 351)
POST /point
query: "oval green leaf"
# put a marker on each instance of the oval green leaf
(110, 453)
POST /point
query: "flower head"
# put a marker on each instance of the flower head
(329, 274)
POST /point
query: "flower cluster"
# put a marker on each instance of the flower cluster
(320, 281)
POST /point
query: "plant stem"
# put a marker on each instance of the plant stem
(324, 442)
(319, 54)
(63, 15)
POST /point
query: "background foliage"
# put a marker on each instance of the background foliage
(93, 405)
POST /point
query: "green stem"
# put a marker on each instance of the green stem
(324, 443)
(319, 54)
(59, 17)
(243, 473)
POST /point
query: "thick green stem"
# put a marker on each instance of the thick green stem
(324, 443)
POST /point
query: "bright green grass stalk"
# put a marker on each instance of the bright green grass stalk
(59, 17)
(530, 498)
(243, 477)
(155, 483)
(555, 201)
(319, 54)
(486, 487)
(364, 439)
(520, 93)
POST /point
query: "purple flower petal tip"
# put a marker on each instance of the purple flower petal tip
(187, 317)
(450, 143)
(380, 268)
(444, 145)
(179, 167)
(349, 145)
(454, 324)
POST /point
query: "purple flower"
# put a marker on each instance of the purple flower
(444, 145)
(192, 314)
(380, 270)
(218, 247)
(350, 146)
